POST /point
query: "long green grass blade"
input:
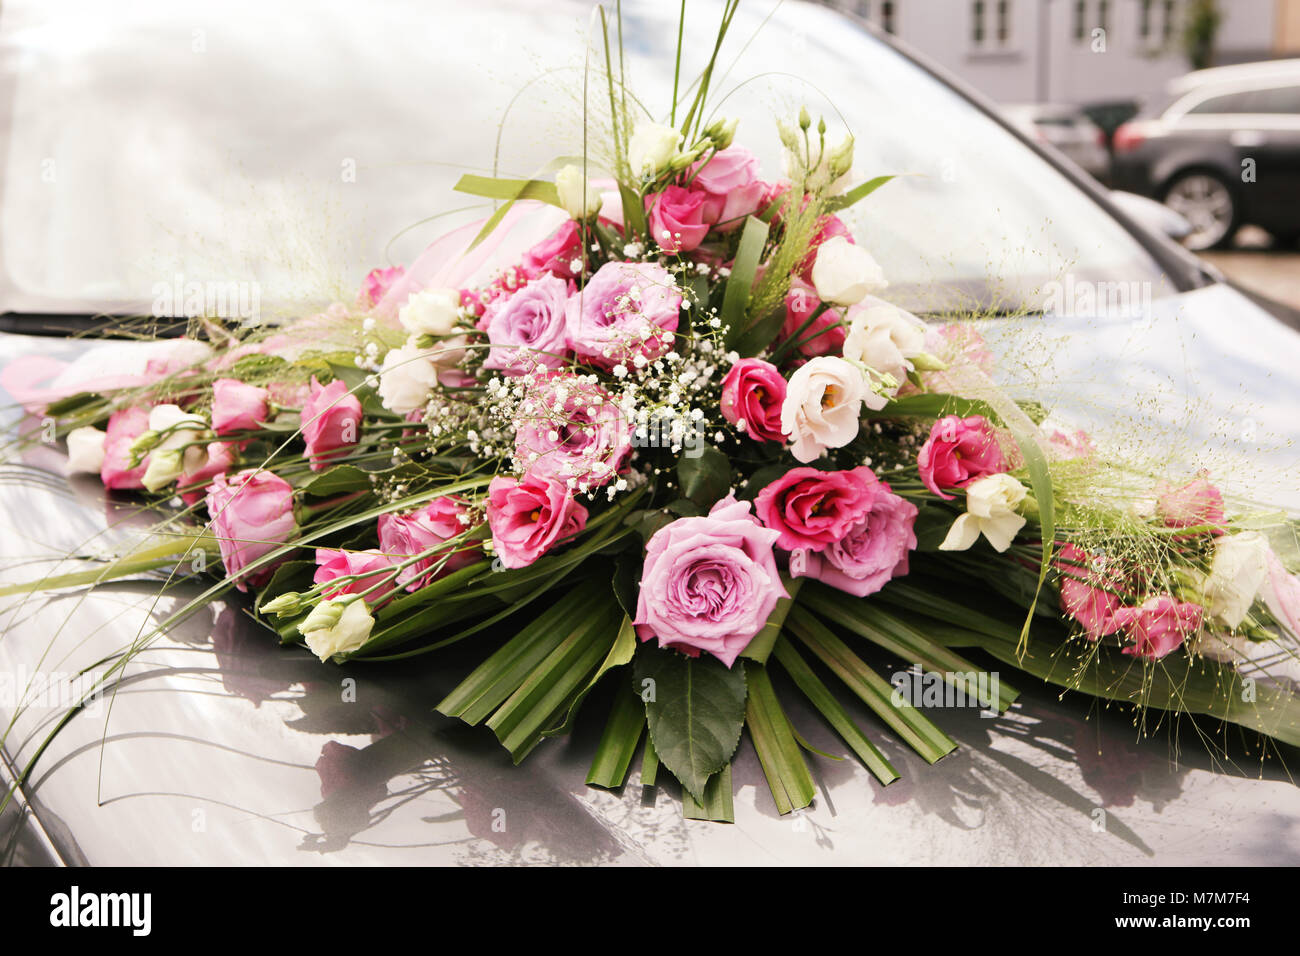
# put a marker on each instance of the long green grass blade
(778, 748)
(623, 730)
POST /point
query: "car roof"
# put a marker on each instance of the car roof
(1244, 74)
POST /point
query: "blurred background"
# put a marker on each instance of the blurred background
(1176, 100)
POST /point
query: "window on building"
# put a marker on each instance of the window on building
(887, 14)
(1004, 22)
(1080, 20)
(1103, 15)
(1168, 22)
(1144, 20)
(977, 34)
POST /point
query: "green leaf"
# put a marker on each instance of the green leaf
(931, 405)
(856, 194)
(619, 654)
(508, 190)
(716, 806)
(336, 480)
(778, 749)
(761, 646)
(735, 300)
(759, 336)
(618, 743)
(706, 478)
(649, 764)
(695, 709)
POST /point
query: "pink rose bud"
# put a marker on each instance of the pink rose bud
(1087, 586)
(371, 567)
(824, 336)
(677, 218)
(236, 406)
(1196, 503)
(376, 285)
(251, 516)
(753, 393)
(331, 422)
(958, 452)
(404, 536)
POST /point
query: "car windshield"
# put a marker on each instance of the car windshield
(288, 148)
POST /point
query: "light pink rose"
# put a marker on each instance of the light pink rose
(730, 179)
(570, 429)
(372, 564)
(376, 285)
(868, 555)
(753, 393)
(958, 452)
(251, 516)
(825, 336)
(1196, 503)
(709, 583)
(529, 517)
(1068, 446)
(403, 536)
(811, 509)
(124, 426)
(556, 253)
(331, 422)
(528, 329)
(237, 406)
(677, 218)
(1158, 626)
(627, 309)
(220, 459)
(1087, 591)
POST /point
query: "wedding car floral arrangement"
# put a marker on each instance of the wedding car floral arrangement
(683, 442)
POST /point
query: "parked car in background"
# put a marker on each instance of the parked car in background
(1223, 149)
(1066, 128)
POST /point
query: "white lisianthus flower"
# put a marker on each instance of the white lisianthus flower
(1237, 572)
(991, 504)
(652, 148)
(165, 466)
(406, 380)
(431, 312)
(86, 450)
(885, 339)
(337, 626)
(823, 401)
(168, 459)
(185, 426)
(844, 273)
(579, 198)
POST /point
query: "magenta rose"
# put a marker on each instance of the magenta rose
(1158, 626)
(958, 451)
(709, 583)
(627, 310)
(403, 536)
(1087, 591)
(376, 285)
(557, 253)
(824, 335)
(1196, 503)
(220, 459)
(870, 554)
(124, 426)
(331, 422)
(571, 430)
(529, 517)
(527, 329)
(370, 565)
(752, 395)
(236, 406)
(730, 179)
(811, 509)
(677, 218)
(251, 515)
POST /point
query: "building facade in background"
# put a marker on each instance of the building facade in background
(1078, 51)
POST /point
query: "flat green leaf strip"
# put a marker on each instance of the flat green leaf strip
(735, 299)
(778, 748)
(761, 646)
(917, 730)
(856, 194)
(817, 692)
(695, 708)
(618, 743)
(508, 189)
(649, 764)
(620, 653)
(717, 806)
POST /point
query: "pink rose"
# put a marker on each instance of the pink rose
(403, 536)
(529, 517)
(570, 429)
(331, 422)
(556, 253)
(958, 451)
(376, 285)
(828, 227)
(677, 218)
(220, 458)
(124, 426)
(1068, 446)
(528, 329)
(237, 407)
(1087, 591)
(824, 336)
(709, 583)
(370, 565)
(1158, 626)
(1196, 503)
(252, 515)
(627, 309)
(730, 179)
(810, 508)
(870, 554)
(753, 393)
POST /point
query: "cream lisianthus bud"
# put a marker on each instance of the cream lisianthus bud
(86, 449)
(1238, 570)
(431, 312)
(991, 504)
(578, 197)
(406, 380)
(165, 466)
(844, 273)
(337, 626)
(823, 402)
(283, 605)
(652, 148)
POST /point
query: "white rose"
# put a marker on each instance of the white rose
(885, 339)
(86, 450)
(1237, 572)
(578, 197)
(822, 403)
(406, 380)
(991, 504)
(844, 273)
(651, 148)
(431, 312)
(337, 626)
